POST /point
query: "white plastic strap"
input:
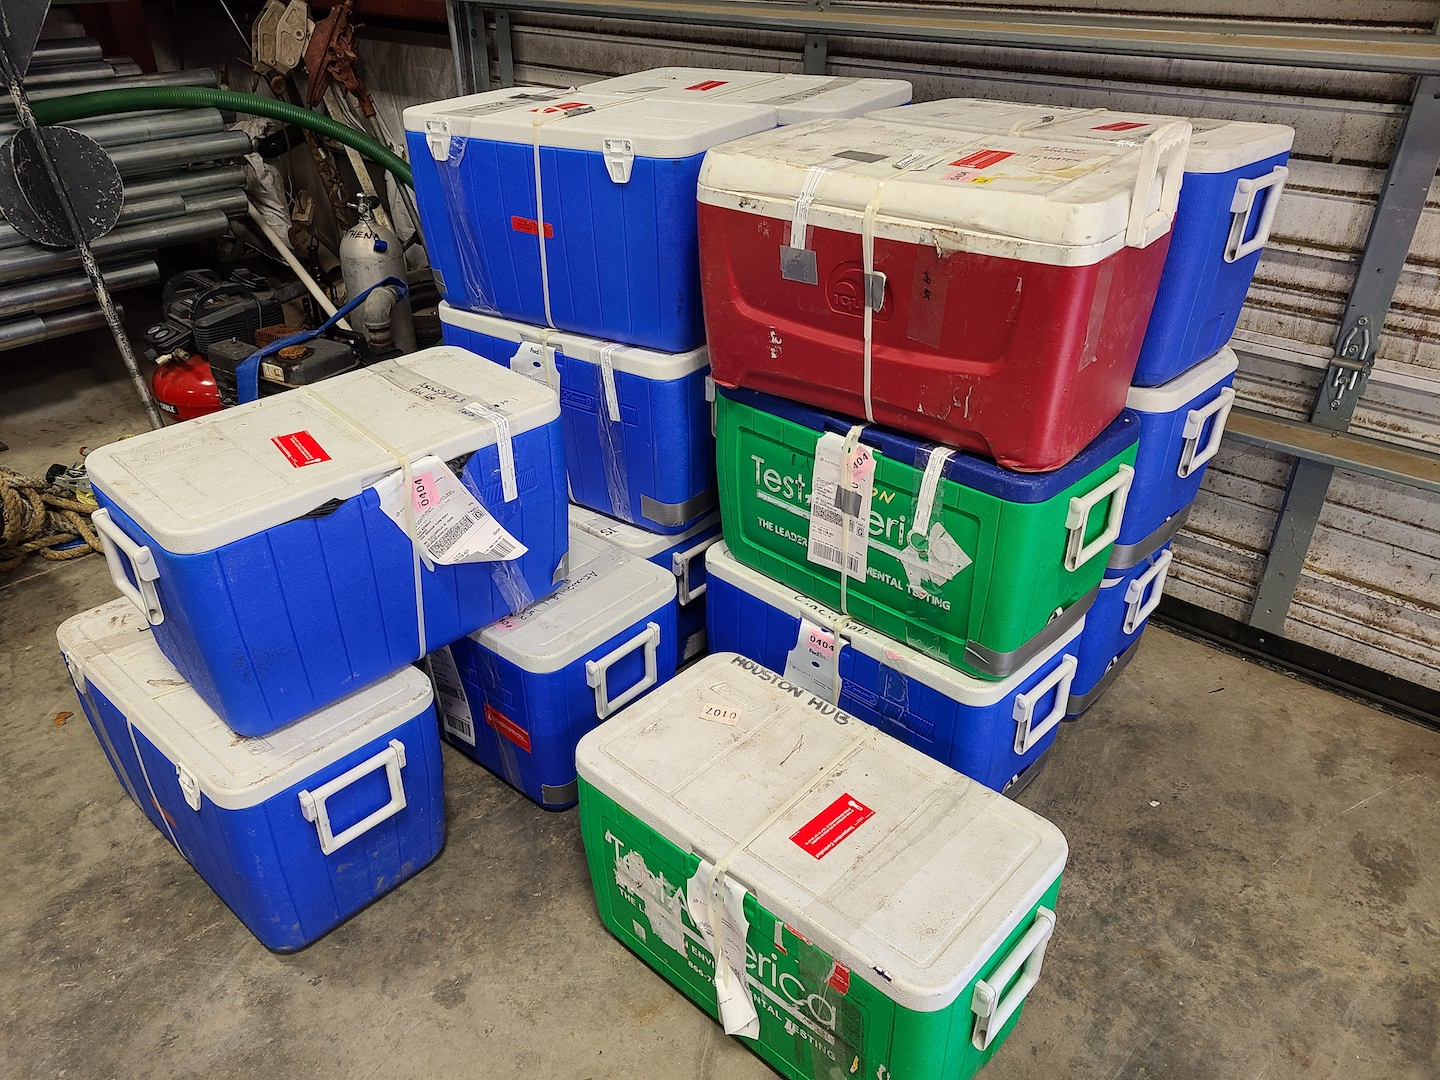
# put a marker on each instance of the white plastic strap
(993, 1012)
(607, 376)
(1022, 126)
(680, 563)
(1027, 731)
(1153, 581)
(312, 803)
(1162, 163)
(1242, 202)
(503, 445)
(114, 543)
(1077, 552)
(540, 218)
(798, 219)
(1195, 419)
(145, 775)
(595, 670)
(929, 485)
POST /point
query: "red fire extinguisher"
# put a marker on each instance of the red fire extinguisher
(184, 387)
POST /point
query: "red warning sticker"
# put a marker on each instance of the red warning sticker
(1120, 125)
(820, 835)
(531, 226)
(708, 84)
(507, 727)
(300, 448)
(983, 159)
(839, 980)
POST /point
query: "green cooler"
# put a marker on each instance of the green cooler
(880, 915)
(961, 559)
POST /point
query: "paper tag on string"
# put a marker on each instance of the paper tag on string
(840, 490)
(455, 716)
(812, 662)
(450, 524)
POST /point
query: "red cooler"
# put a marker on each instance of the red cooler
(982, 291)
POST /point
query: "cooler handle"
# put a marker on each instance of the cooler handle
(114, 543)
(1135, 612)
(1027, 732)
(680, 563)
(1243, 201)
(1077, 552)
(312, 803)
(1162, 161)
(595, 671)
(1195, 419)
(993, 1012)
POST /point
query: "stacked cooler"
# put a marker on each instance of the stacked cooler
(283, 565)
(1181, 393)
(562, 228)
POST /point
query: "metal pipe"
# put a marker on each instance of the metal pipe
(283, 250)
(49, 294)
(32, 261)
(186, 183)
(233, 202)
(65, 51)
(70, 73)
(155, 208)
(204, 77)
(37, 328)
(153, 157)
(141, 127)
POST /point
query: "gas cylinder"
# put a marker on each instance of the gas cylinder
(370, 253)
(184, 388)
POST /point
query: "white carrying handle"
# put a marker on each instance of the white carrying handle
(1135, 612)
(680, 563)
(1162, 161)
(993, 1012)
(1077, 552)
(1027, 732)
(1195, 419)
(114, 542)
(595, 671)
(1242, 202)
(312, 803)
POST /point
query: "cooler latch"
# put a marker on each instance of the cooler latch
(619, 158)
(437, 137)
(189, 785)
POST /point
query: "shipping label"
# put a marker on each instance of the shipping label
(841, 486)
(455, 716)
(450, 524)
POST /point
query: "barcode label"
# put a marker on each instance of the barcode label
(841, 485)
(450, 697)
(448, 520)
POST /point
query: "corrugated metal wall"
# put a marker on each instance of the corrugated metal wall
(1371, 587)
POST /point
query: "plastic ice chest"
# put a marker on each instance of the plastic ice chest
(1113, 627)
(1234, 174)
(683, 556)
(256, 539)
(604, 243)
(982, 291)
(649, 460)
(537, 681)
(1181, 424)
(795, 98)
(878, 914)
(980, 584)
(297, 831)
(990, 731)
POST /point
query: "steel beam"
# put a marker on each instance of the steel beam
(1246, 41)
(1392, 229)
(1338, 449)
(817, 53)
(466, 24)
(504, 48)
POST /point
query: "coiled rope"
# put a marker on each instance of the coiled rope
(37, 517)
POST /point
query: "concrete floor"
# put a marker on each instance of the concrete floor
(1248, 895)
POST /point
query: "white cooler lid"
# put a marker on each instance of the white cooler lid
(1216, 146)
(221, 477)
(1167, 397)
(639, 542)
(1071, 197)
(656, 127)
(631, 359)
(956, 685)
(111, 647)
(607, 590)
(793, 97)
(925, 890)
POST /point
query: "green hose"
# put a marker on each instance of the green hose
(142, 98)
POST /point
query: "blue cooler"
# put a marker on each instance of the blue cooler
(1113, 627)
(682, 555)
(1181, 424)
(638, 444)
(606, 242)
(993, 732)
(795, 98)
(297, 831)
(271, 547)
(1234, 174)
(534, 683)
